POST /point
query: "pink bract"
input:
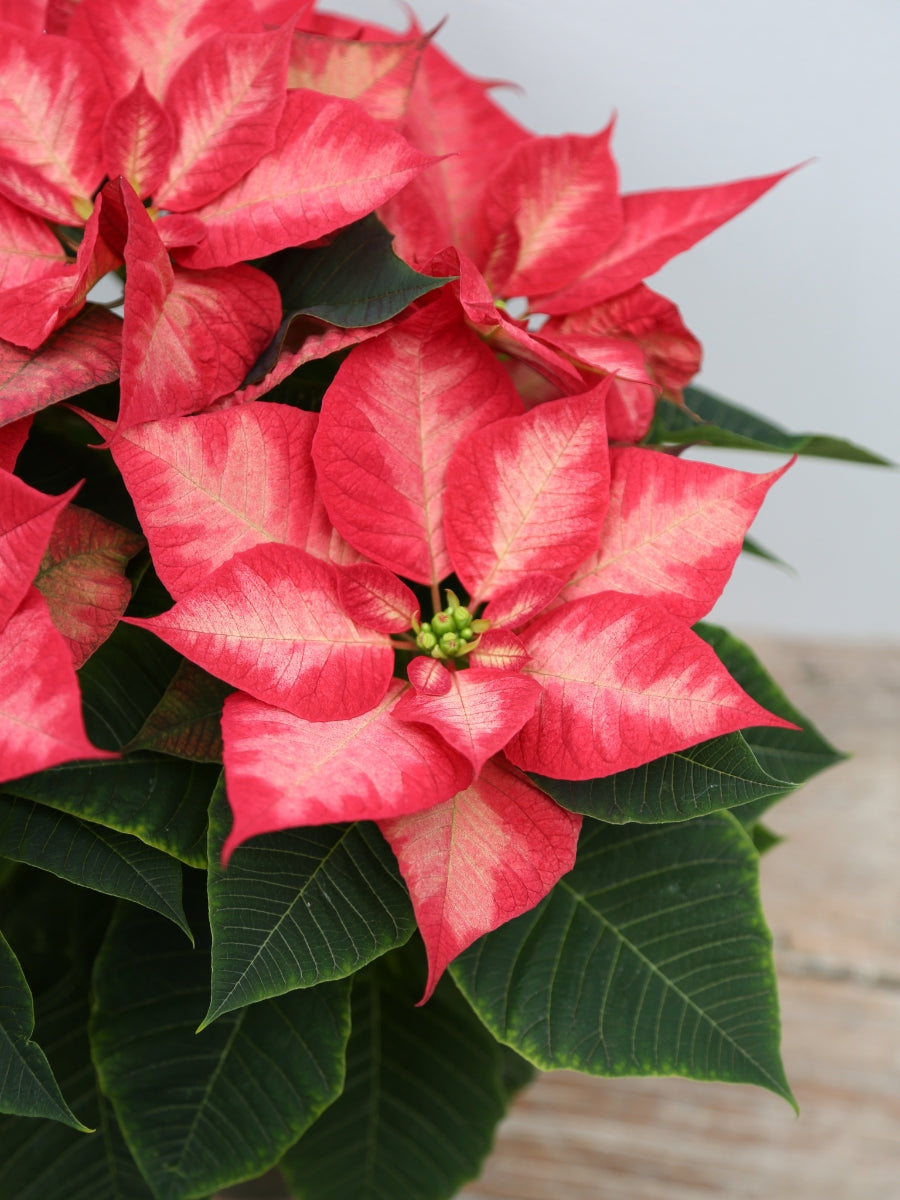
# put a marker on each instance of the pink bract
(459, 448)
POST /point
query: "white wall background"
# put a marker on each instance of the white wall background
(796, 301)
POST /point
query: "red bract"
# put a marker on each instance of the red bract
(480, 859)
(82, 578)
(459, 446)
(201, 122)
(543, 218)
(573, 687)
(40, 704)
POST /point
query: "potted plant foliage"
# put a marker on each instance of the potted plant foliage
(362, 743)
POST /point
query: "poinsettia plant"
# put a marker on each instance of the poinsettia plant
(363, 745)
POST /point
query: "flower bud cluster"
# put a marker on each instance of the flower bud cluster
(450, 633)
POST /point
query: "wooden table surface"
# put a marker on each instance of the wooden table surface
(831, 892)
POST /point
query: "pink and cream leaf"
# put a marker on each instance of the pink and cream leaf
(623, 682)
(499, 649)
(13, 437)
(332, 165)
(529, 494)
(451, 116)
(397, 409)
(553, 208)
(27, 518)
(26, 14)
(40, 705)
(209, 486)
(282, 771)
(189, 336)
(153, 37)
(631, 399)
(505, 335)
(30, 313)
(82, 355)
(138, 139)
(671, 352)
(270, 621)
(316, 340)
(225, 101)
(377, 75)
(512, 606)
(658, 225)
(428, 676)
(375, 597)
(53, 101)
(673, 531)
(478, 714)
(474, 862)
(28, 249)
(82, 578)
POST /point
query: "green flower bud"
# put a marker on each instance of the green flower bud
(467, 634)
(425, 639)
(450, 643)
(462, 617)
(443, 623)
(437, 652)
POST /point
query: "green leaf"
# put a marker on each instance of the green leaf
(763, 838)
(91, 856)
(163, 801)
(123, 682)
(651, 957)
(306, 386)
(186, 721)
(27, 1085)
(424, 1093)
(720, 423)
(41, 1160)
(355, 281)
(718, 774)
(752, 547)
(516, 1072)
(203, 1110)
(794, 755)
(296, 908)
(62, 451)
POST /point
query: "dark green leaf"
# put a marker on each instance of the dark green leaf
(424, 1093)
(763, 838)
(62, 450)
(41, 1160)
(355, 281)
(752, 547)
(91, 856)
(297, 908)
(204, 1110)
(720, 423)
(27, 1085)
(51, 924)
(651, 957)
(186, 722)
(715, 775)
(306, 386)
(163, 801)
(122, 683)
(516, 1072)
(794, 755)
